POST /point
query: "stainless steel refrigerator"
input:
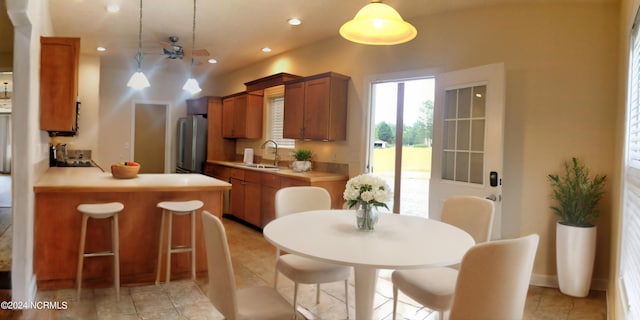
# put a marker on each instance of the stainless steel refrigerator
(191, 145)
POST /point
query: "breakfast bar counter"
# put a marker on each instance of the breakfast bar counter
(92, 179)
(57, 225)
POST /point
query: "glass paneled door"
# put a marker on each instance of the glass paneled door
(400, 142)
(468, 138)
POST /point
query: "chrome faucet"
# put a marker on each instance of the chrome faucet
(275, 158)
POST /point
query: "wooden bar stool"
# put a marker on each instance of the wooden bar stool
(169, 208)
(100, 211)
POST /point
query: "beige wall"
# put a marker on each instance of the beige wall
(562, 72)
(88, 91)
(117, 100)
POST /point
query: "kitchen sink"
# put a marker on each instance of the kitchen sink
(261, 166)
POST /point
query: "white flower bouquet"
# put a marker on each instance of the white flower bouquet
(367, 189)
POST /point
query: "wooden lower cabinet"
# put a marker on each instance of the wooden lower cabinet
(253, 192)
(237, 198)
(270, 185)
(252, 201)
(245, 201)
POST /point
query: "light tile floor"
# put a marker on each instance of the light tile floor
(253, 260)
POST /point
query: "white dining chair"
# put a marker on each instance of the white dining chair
(435, 286)
(492, 282)
(299, 269)
(494, 279)
(472, 214)
(255, 303)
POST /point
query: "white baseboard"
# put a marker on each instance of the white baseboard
(551, 281)
(543, 280)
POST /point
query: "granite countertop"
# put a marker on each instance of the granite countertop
(92, 179)
(311, 176)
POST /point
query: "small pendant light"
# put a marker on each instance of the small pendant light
(192, 84)
(138, 80)
(378, 24)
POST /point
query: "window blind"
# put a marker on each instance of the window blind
(276, 112)
(630, 249)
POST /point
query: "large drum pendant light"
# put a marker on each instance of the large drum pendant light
(378, 24)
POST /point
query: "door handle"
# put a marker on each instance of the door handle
(492, 197)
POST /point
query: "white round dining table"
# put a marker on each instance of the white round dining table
(398, 242)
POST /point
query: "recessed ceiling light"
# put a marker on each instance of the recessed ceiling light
(266, 49)
(101, 49)
(212, 61)
(294, 21)
(113, 7)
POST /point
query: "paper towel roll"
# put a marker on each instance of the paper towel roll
(248, 155)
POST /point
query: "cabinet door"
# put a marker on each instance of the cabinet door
(316, 109)
(268, 204)
(239, 116)
(252, 206)
(218, 148)
(228, 108)
(59, 58)
(293, 127)
(270, 185)
(242, 116)
(237, 198)
(252, 119)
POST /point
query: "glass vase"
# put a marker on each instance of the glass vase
(366, 217)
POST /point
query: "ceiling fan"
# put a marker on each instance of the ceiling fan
(173, 50)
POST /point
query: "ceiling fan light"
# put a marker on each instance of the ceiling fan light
(192, 86)
(378, 24)
(138, 81)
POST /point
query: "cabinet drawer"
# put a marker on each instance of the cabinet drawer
(236, 173)
(252, 176)
(219, 171)
(270, 180)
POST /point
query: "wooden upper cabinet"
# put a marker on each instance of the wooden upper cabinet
(242, 116)
(293, 124)
(315, 108)
(218, 148)
(59, 64)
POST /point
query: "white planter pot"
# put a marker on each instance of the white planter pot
(301, 166)
(575, 254)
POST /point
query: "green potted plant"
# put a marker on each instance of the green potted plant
(302, 161)
(577, 194)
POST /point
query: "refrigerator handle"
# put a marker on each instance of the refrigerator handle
(180, 143)
(194, 146)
